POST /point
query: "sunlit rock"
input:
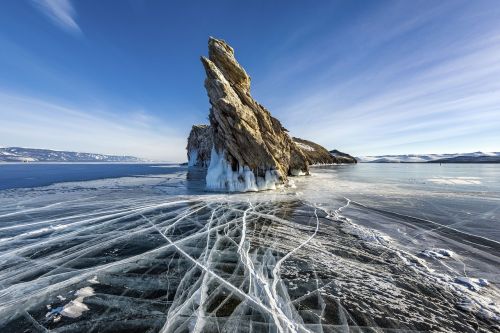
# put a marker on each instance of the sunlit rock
(245, 134)
(315, 153)
(244, 147)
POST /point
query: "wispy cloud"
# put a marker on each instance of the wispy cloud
(435, 90)
(60, 12)
(32, 122)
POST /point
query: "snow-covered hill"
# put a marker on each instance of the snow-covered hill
(17, 154)
(476, 157)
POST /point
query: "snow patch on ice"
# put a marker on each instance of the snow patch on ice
(455, 180)
(472, 283)
(74, 309)
(93, 280)
(437, 253)
(366, 234)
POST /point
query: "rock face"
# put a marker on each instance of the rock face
(199, 145)
(252, 150)
(315, 153)
(343, 157)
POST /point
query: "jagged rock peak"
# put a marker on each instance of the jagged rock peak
(222, 55)
(252, 150)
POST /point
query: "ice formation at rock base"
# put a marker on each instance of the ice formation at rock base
(221, 176)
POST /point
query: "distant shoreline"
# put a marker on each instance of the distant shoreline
(434, 162)
(78, 162)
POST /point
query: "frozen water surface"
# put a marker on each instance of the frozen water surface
(366, 248)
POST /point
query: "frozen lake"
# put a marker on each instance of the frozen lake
(16, 175)
(352, 248)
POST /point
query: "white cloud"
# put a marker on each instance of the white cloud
(394, 95)
(61, 12)
(30, 122)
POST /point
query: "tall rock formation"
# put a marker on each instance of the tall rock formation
(244, 147)
(252, 150)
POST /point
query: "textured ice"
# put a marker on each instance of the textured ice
(221, 177)
(456, 180)
(152, 255)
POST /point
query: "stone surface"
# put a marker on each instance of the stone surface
(199, 145)
(343, 157)
(315, 153)
(244, 147)
(244, 131)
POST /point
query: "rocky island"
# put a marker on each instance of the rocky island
(244, 147)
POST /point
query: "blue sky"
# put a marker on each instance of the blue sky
(365, 77)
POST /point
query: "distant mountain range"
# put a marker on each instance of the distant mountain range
(17, 154)
(477, 157)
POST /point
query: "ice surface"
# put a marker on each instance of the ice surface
(456, 180)
(160, 255)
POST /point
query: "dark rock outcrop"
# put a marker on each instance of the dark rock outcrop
(343, 157)
(315, 153)
(199, 146)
